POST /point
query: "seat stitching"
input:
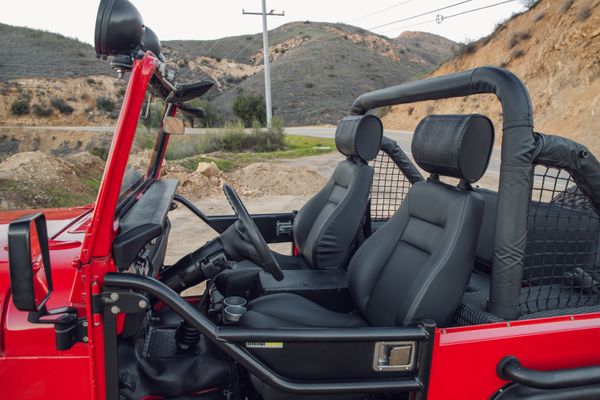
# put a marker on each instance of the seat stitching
(421, 292)
(406, 200)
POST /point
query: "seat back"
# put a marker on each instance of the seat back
(416, 266)
(327, 225)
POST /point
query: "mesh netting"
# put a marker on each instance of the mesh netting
(388, 189)
(561, 265)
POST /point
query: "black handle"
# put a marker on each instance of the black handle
(510, 369)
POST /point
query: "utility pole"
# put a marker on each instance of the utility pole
(266, 63)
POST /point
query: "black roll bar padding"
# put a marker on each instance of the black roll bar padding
(575, 158)
(391, 148)
(516, 170)
(510, 369)
(210, 330)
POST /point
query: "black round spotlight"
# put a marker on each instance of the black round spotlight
(151, 42)
(119, 28)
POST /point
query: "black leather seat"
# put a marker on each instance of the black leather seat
(326, 227)
(416, 266)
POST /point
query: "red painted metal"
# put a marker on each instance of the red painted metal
(96, 257)
(80, 255)
(465, 358)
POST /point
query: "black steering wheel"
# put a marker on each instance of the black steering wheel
(250, 232)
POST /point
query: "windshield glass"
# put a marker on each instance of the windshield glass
(142, 154)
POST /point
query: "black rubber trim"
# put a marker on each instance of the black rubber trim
(510, 369)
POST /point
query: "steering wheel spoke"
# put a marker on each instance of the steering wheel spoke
(248, 230)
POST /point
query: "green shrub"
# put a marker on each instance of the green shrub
(20, 107)
(517, 53)
(248, 108)
(566, 5)
(517, 37)
(61, 106)
(231, 139)
(105, 104)
(584, 13)
(278, 125)
(213, 118)
(40, 110)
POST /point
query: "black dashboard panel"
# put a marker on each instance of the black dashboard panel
(145, 221)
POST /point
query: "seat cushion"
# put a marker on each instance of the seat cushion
(286, 310)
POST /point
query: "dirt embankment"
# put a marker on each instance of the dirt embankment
(36, 179)
(555, 49)
(93, 100)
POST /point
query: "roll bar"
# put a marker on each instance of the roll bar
(516, 170)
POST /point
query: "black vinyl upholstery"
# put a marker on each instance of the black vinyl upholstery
(415, 267)
(327, 225)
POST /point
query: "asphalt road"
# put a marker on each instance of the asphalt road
(403, 138)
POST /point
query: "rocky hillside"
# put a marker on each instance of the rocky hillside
(317, 70)
(555, 49)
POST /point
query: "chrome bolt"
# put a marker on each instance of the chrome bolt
(142, 304)
(115, 310)
(114, 296)
(85, 324)
(85, 339)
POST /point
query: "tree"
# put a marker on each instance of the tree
(249, 108)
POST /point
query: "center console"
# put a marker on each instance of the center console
(328, 287)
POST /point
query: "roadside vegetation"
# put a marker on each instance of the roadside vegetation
(233, 146)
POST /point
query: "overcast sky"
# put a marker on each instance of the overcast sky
(210, 19)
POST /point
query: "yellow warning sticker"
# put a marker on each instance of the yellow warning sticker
(264, 345)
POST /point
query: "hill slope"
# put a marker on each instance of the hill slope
(555, 49)
(317, 68)
(34, 53)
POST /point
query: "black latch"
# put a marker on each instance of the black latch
(284, 228)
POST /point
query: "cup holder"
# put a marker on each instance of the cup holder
(233, 309)
(235, 301)
(233, 314)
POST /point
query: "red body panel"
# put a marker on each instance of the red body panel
(464, 359)
(80, 255)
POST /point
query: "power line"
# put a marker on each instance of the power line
(246, 47)
(382, 10)
(476, 9)
(420, 15)
(441, 18)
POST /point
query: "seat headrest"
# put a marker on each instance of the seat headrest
(459, 146)
(359, 136)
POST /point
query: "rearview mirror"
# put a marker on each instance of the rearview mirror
(27, 255)
(173, 125)
(191, 111)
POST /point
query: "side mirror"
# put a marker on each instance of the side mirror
(27, 255)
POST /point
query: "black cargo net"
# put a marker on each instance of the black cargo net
(388, 189)
(561, 265)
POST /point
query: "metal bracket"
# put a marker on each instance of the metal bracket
(116, 302)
